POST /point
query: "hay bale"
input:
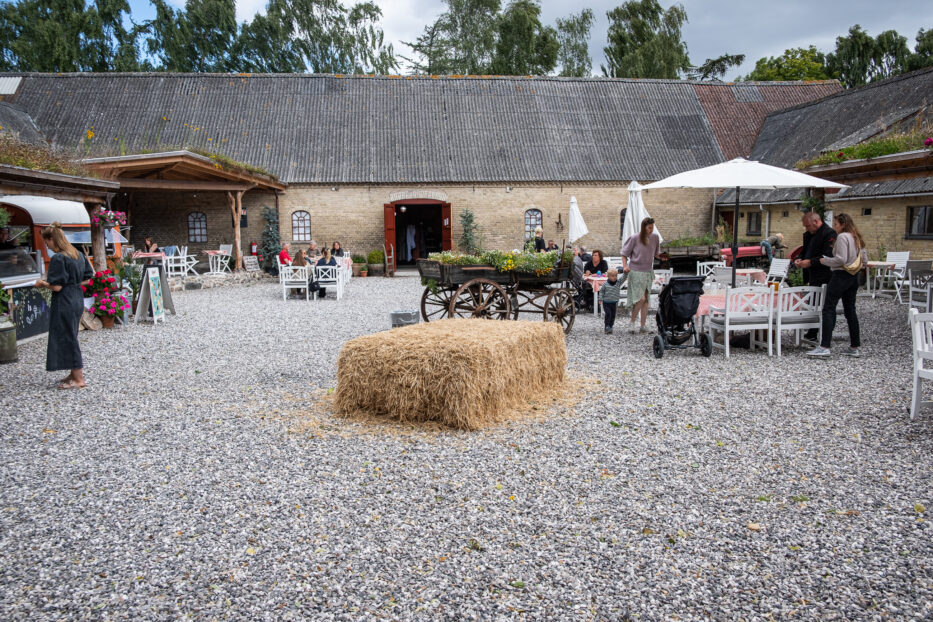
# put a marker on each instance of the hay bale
(465, 373)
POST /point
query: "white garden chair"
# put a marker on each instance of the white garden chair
(293, 277)
(174, 262)
(918, 282)
(895, 276)
(798, 309)
(705, 268)
(189, 261)
(746, 309)
(921, 332)
(777, 273)
(226, 251)
(329, 278)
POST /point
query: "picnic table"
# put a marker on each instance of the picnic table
(596, 282)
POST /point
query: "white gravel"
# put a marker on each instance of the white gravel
(172, 486)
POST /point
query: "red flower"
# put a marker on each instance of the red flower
(840, 155)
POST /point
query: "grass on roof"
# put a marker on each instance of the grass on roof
(886, 145)
(39, 157)
(229, 164)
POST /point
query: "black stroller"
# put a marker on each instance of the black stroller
(677, 306)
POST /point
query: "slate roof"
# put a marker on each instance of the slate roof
(18, 123)
(335, 129)
(803, 131)
(899, 187)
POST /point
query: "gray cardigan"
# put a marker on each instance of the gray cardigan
(845, 250)
(610, 292)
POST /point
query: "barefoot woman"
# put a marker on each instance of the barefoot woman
(68, 270)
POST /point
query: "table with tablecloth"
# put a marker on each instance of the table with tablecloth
(596, 281)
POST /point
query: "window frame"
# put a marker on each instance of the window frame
(297, 231)
(197, 227)
(910, 235)
(753, 216)
(530, 232)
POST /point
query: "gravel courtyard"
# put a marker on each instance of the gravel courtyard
(198, 476)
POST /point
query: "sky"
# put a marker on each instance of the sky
(755, 28)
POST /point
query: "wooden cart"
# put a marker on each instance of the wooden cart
(484, 292)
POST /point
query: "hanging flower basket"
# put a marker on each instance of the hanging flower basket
(109, 218)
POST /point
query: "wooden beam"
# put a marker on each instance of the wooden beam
(98, 242)
(171, 185)
(55, 192)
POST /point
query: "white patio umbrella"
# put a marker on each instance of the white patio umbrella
(577, 226)
(741, 173)
(635, 213)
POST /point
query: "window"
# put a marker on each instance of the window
(753, 223)
(920, 223)
(301, 227)
(866, 211)
(533, 219)
(785, 214)
(622, 222)
(197, 227)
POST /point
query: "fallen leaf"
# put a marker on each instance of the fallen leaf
(250, 551)
(919, 509)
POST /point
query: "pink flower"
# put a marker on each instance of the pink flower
(840, 155)
(928, 142)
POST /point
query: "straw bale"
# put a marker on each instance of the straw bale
(464, 373)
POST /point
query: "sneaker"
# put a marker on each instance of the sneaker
(853, 352)
(644, 329)
(633, 328)
(819, 351)
(609, 331)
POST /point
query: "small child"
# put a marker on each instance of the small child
(609, 295)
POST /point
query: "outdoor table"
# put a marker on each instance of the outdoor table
(217, 261)
(755, 274)
(596, 281)
(877, 265)
(141, 255)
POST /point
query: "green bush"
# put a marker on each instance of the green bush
(376, 257)
(704, 240)
(358, 259)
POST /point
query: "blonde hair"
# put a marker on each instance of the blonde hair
(538, 230)
(54, 233)
(326, 254)
(612, 272)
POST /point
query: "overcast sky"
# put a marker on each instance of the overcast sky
(715, 27)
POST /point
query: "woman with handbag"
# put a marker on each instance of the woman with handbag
(847, 261)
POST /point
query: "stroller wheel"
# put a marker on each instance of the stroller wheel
(706, 346)
(658, 346)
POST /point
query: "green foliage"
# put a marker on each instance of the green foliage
(645, 41)
(923, 51)
(199, 38)
(461, 41)
(795, 277)
(229, 164)
(471, 238)
(814, 204)
(506, 261)
(795, 64)
(4, 218)
(376, 257)
(704, 240)
(359, 259)
(715, 68)
(573, 36)
(886, 145)
(270, 244)
(4, 300)
(38, 157)
(524, 45)
(859, 59)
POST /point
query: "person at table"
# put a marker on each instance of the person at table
(771, 244)
(284, 258)
(68, 271)
(300, 262)
(552, 246)
(326, 260)
(313, 251)
(609, 295)
(848, 254)
(818, 240)
(335, 249)
(149, 246)
(5, 242)
(596, 264)
(540, 244)
(638, 254)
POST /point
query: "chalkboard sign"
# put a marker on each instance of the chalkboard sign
(31, 311)
(251, 263)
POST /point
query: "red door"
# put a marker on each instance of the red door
(446, 231)
(389, 212)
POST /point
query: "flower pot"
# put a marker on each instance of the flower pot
(357, 268)
(8, 352)
(376, 269)
(364, 273)
(107, 321)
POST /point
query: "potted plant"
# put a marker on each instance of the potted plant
(364, 270)
(359, 262)
(8, 352)
(377, 261)
(108, 307)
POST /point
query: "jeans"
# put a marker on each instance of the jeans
(842, 285)
(765, 244)
(610, 310)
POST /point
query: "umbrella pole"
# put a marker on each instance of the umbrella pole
(735, 237)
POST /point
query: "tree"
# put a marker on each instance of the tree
(264, 45)
(795, 64)
(859, 59)
(716, 68)
(645, 41)
(573, 34)
(923, 52)
(524, 46)
(433, 48)
(462, 40)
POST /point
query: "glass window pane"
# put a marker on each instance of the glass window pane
(197, 227)
(533, 219)
(301, 226)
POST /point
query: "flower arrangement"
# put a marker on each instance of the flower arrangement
(109, 218)
(110, 305)
(506, 261)
(101, 283)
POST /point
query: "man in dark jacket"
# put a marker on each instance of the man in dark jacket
(818, 241)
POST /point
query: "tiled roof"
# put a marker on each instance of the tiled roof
(803, 131)
(737, 111)
(16, 122)
(335, 129)
(893, 188)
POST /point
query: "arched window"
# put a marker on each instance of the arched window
(197, 227)
(622, 222)
(301, 226)
(533, 218)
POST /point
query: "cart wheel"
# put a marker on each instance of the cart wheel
(559, 307)
(435, 306)
(706, 346)
(515, 307)
(658, 346)
(480, 298)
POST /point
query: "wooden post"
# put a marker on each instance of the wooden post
(98, 241)
(235, 201)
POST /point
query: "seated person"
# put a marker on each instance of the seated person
(771, 244)
(326, 260)
(335, 250)
(313, 251)
(552, 245)
(299, 261)
(149, 246)
(596, 264)
(284, 257)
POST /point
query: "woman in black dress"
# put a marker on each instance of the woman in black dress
(68, 271)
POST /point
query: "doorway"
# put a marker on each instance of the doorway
(416, 228)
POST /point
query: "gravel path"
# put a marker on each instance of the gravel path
(174, 487)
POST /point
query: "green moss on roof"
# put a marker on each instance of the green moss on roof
(877, 147)
(39, 157)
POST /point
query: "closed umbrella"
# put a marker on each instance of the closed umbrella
(577, 226)
(741, 173)
(635, 213)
